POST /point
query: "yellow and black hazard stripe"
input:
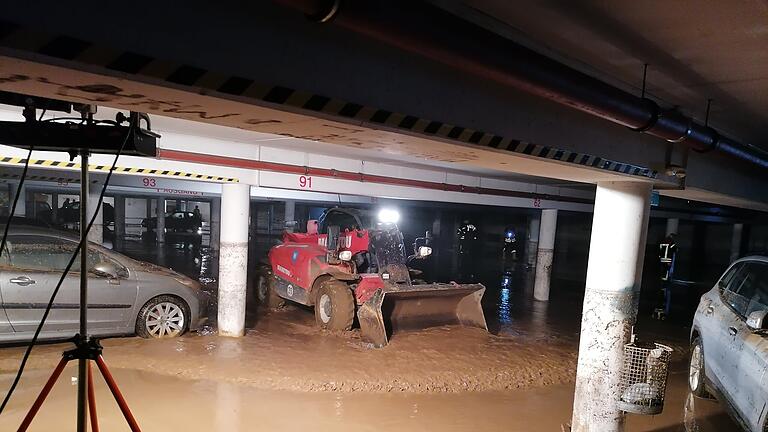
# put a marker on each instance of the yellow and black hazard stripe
(131, 63)
(6, 160)
(6, 175)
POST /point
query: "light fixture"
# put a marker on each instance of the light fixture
(389, 216)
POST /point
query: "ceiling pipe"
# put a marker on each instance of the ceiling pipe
(421, 28)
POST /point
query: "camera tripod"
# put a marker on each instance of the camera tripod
(86, 350)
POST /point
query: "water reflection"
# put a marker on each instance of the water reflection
(414, 410)
(504, 304)
(689, 414)
(227, 412)
(505, 312)
(539, 321)
(339, 406)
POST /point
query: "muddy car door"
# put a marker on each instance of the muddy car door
(111, 293)
(753, 361)
(735, 333)
(5, 325)
(714, 313)
(27, 282)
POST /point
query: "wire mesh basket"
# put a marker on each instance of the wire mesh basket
(644, 377)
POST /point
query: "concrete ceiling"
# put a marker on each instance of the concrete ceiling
(696, 49)
(193, 128)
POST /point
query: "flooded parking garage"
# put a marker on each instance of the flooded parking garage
(528, 355)
(527, 359)
(389, 214)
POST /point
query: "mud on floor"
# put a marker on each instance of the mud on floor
(285, 351)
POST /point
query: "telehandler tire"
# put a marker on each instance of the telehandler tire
(266, 296)
(334, 306)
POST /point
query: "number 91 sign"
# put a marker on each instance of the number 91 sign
(305, 182)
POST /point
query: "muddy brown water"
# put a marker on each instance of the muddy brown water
(286, 375)
(285, 351)
(167, 403)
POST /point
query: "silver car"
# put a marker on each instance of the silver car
(729, 343)
(125, 296)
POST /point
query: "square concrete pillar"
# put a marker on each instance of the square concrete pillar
(119, 221)
(160, 221)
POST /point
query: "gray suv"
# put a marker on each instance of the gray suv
(125, 296)
(729, 343)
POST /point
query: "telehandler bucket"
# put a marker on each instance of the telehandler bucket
(408, 307)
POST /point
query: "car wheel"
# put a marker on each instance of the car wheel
(265, 291)
(334, 306)
(696, 370)
(162, 317)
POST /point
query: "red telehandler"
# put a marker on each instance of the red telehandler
(349, 263)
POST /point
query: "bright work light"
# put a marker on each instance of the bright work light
(389, 216)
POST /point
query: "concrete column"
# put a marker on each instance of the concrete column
(438, 245)
(119, 221)
(532, 248)
(233, 258)
(21, 206)
(215, 223)
(160, 226)
(738, 230)
(544, 254)
(672, 226)
(616, 252)
(290, 215)
(54, 207)
(96, 234)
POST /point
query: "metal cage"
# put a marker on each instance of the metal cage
(644, 378)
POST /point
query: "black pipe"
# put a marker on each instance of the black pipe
(427, 30)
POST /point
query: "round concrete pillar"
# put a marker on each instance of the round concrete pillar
(546, 250)
(616, 251)
(233, 259)
(532, 248)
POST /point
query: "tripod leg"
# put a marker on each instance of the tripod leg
(116, 393)
(92, 401)
(43, 394)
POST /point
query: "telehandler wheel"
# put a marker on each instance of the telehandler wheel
(266, 295)
(334, 306)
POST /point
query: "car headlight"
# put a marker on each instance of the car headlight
(345, 255)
